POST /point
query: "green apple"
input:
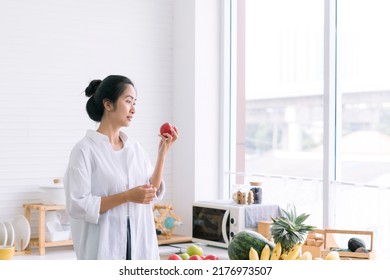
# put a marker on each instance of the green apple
(184, 256)
(194, 250)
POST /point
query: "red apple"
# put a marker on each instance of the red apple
(167, 128)
(211, 257)
(174, 257)
(195, 258)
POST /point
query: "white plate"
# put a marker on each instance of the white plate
(10, 233)
(3, 234)
(22, 232)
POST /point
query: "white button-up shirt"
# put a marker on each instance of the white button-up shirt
(94, 171)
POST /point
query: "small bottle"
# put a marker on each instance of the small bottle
(235, 190)
(241, 196)
(257, 192)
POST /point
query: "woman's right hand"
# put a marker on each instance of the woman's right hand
(143, 194)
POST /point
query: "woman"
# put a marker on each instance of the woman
(110, 182)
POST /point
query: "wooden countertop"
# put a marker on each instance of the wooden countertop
(162, 239)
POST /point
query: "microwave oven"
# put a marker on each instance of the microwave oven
(216, 222)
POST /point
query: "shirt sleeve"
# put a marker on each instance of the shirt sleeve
(160, 192)
(80, 203)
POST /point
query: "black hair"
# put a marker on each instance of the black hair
(99, 90)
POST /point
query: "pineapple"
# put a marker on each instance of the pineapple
(289, 229)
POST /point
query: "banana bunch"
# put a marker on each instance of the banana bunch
(292, 254)
(277, 254)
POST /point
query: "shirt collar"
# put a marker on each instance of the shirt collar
(99, 137)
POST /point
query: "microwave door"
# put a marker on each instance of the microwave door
(224, 226)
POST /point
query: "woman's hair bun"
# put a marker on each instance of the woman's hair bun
(92, 87)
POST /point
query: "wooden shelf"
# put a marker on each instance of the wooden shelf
(43, 207)
(35, 242)
(40, 242)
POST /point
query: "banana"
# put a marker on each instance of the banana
(294, 252)
(253, 255)
(277, 251)
(283, 256)
(265, 253)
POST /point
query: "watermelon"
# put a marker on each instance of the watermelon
(239, 246)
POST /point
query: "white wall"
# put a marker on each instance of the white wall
(196, 107)
(49, 52)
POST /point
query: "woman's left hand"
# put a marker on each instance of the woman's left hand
(167, 140)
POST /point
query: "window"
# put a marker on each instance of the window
(364, 90)
(279, 107)
(310, 113)
(284, 87)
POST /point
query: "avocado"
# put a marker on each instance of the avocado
(354, 243)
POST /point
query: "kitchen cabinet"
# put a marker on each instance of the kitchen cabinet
(41, 242)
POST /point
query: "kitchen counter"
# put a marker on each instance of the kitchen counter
(167, 250)
(67, 252)
(52, 253)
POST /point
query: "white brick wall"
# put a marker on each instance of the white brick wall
(49, 51)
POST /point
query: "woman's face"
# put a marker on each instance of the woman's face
(124, 109)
